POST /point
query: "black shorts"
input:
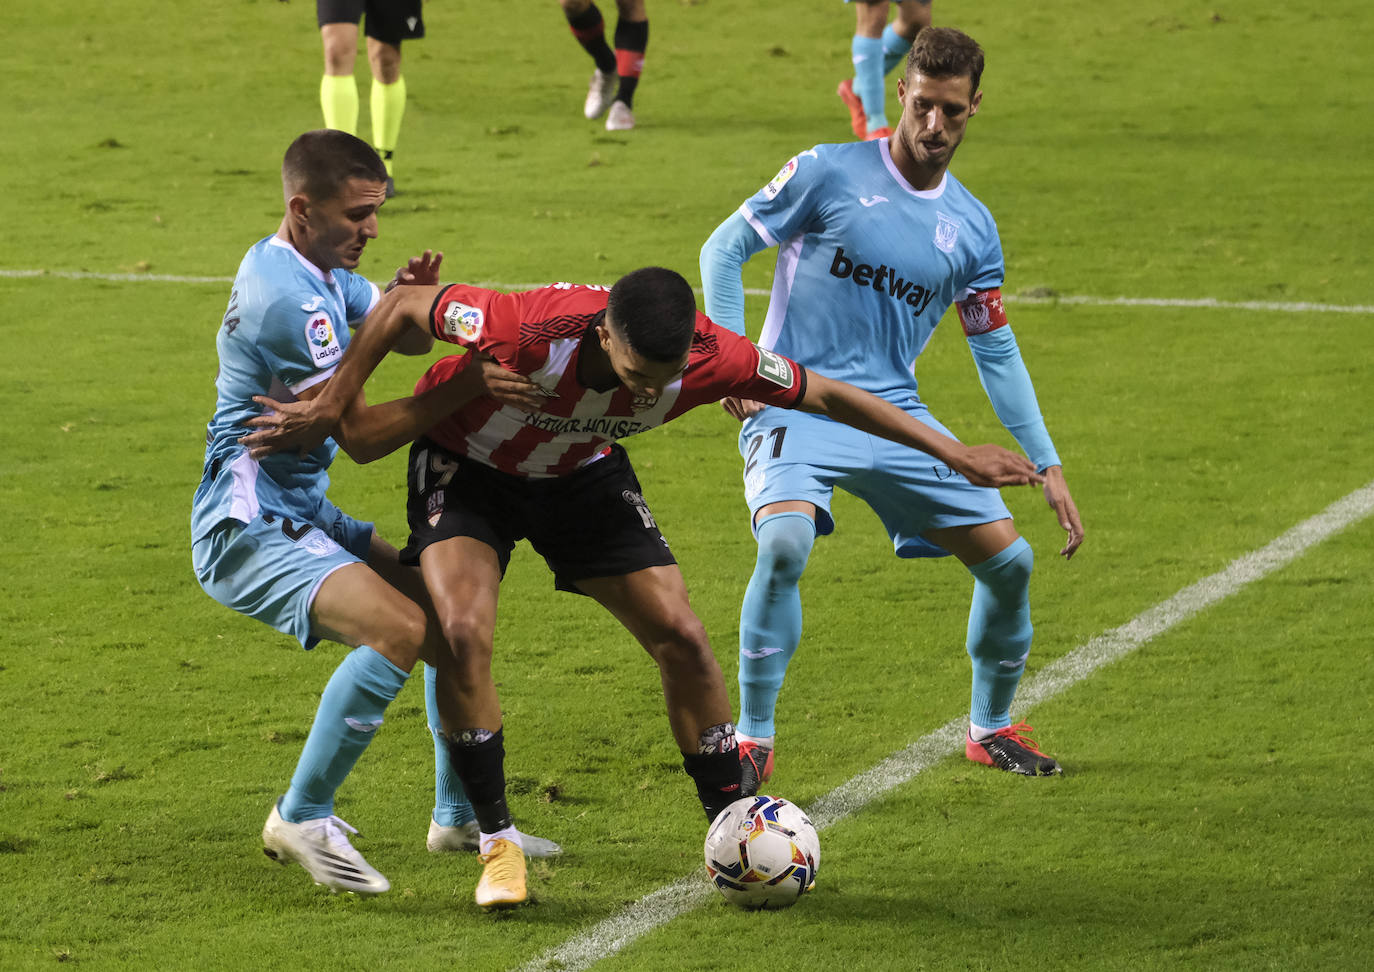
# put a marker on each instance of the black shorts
(389, 21)
(591, 523)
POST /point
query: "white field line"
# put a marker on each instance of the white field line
(658, 907)
(1203, 303)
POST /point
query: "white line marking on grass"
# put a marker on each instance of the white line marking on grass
(661, 906)
(1207, 303)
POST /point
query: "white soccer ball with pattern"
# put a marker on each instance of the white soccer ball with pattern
(762, 852)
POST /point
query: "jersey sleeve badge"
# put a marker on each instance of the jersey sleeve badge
(463, 321)
(775, 368)
(784, 174)
(321, 339)
(982, 312)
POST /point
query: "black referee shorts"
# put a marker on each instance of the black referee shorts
(591, 523)
(389, 21)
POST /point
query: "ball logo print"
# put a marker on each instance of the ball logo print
(762, 852)
(319, 332)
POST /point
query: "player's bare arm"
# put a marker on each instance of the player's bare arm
(982, 465)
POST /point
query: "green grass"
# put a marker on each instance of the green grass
(1212, 815)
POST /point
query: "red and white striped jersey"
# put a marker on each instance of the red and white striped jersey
(541, 334)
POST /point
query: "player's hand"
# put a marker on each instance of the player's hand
(991, 465)
(507, 387)
(741, 408)
(285, 426)
(1057, 495)
(422, 270)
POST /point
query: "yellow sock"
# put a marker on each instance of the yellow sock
(388, 108)
(339, 99)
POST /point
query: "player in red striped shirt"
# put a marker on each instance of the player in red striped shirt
(607, 364)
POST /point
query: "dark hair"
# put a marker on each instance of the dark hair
(656, 311)
(318, 164)
(943, 52)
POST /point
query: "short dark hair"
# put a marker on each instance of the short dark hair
(656, 311)
(943, 52)
(319, 163)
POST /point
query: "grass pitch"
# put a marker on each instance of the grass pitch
(1218, 779)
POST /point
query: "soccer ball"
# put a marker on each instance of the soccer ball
(762, 852)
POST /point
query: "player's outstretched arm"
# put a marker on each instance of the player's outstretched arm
(982, 465)
(305, 424)
(420, 271)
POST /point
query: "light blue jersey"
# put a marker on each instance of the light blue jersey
(263, 534)
(867, 265)
(285, 330)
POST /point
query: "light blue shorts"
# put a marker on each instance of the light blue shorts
(272, 568)
(791, 455)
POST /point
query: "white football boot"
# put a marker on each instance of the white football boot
(322, 848)
(599, 93)
(620, 118)
(464, 838)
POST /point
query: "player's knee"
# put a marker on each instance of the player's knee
(400, 636)
(680, 645)
(785, 541)
(467, 639)
(1008, 573)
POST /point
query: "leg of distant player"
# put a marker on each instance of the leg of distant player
(463, 576)
(998, 642)
(912, 16)
(652, 605)
(388, 102)
(631, 41)
(587, 25)
(354, 606)
(770, 628)
(338, 88)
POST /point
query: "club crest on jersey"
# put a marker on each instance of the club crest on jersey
(786, 172)
(463, 321)
(946, 232)
(324, 343)
(434, 507)
(774, 367)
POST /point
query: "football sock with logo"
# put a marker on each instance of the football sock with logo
(867, 54)
(999, 632)
(716, 772)
(339, 99)
(895, 48)
(631, 41)
(388, 108)
(451, 806)
(770, 618)
(349, 715)
(479, 759)
(590, 31)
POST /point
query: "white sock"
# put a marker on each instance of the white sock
(506, 833)
(978, 733)
(764, 741)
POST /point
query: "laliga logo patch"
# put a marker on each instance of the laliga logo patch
(774, 367)
(946, 232)
(462, 321)
(324, 344)
(786, 172)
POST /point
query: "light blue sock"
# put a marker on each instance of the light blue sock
(999, 632)
(770, 621)
(895, 48)
(349, 715)
(451, 806)
(867, 54)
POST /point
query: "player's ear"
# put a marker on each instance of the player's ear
(973, 105)
(298, 209)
